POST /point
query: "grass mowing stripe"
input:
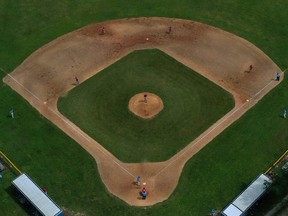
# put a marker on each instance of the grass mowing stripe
(68, 123)
(189, 108)
(27, 25)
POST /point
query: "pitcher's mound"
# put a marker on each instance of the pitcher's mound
(145, 108)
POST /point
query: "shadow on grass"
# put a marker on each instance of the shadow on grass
(21, 201)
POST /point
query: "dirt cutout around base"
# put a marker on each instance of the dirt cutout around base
(220, 56)
(145, 105)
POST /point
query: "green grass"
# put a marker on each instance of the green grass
(7, 203)
(191, 104)
(276, 193)
(211, 179)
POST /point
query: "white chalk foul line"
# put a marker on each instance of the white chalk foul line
(212, 129)
(266, 85)
(69, 124)
(262, 89)
(215, 127)
(88, 139)
(21, 85)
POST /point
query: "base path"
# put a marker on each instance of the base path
(218, 55)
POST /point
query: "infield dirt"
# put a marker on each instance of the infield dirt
(146, 105)
(220, 56)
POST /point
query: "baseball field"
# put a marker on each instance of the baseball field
(79, 177)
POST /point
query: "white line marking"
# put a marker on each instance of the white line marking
(69, 124)
(215, 127)
(262, 89)
(88, 138)
(20, 84)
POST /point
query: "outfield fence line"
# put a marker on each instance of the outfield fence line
(10, 162)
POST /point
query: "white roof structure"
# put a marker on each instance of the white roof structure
(36, 196)
(232, 210)
(248, 197)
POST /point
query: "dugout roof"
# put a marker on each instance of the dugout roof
(248, 197)
(32, 192)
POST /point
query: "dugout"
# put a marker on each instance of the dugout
(243, 202)
(34, 195)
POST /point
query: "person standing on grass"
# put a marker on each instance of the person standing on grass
(285, 113)
(11, 113)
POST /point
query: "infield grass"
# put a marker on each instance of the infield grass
(211, 179)
(99, 106)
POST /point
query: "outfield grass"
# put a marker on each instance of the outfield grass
(210, 179)
(191, 104)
